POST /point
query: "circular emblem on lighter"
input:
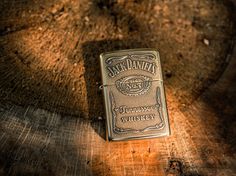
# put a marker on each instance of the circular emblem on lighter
(133, 85)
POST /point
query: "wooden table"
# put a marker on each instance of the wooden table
(51, 110)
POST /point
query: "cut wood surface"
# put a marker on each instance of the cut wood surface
(51, 109)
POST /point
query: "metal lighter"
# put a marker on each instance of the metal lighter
(134, 95)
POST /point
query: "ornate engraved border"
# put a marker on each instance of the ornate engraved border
(118, 130)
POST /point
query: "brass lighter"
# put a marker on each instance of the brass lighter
(134, 94)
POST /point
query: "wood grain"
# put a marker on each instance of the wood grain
(51, 110)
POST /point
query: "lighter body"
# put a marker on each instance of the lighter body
(134, 95)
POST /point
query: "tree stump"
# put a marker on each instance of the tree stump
(51, 109)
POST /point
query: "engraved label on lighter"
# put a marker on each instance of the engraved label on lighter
(134, 94)
(133, 85)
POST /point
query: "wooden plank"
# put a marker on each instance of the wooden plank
(51, 110)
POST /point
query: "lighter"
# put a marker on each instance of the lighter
(134, 95)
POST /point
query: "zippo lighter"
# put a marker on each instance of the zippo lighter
(134, 94)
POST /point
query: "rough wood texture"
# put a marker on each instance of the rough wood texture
(51, 111)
